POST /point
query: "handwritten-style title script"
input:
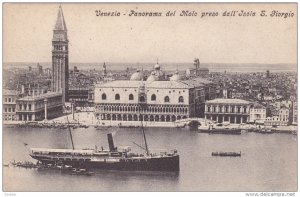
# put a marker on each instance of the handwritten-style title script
(202, 14)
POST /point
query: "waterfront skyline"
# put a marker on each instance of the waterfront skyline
(62, 116)
(143, 39)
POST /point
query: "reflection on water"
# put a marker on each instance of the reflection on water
(268, 162)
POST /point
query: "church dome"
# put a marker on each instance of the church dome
(175, 77)
(152, 77)
(157, 67)
(137, 76)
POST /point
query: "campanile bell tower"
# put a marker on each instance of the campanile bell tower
(60, 57)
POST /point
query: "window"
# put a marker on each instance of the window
(13, 109)
(5, 99)
(9, 99)
(131, 97)
(103, 96)
(180, 99)
(5, 109)
(117, 97)
(153, 97)
(167, 99)
(220, 109)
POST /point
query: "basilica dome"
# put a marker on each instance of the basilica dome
(137, 76)
(157, 67)
(175, 77)
(152, 77)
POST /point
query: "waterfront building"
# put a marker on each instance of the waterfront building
(39, 107)
(9, 104)
(284, 114)
(60, 57)
(273, 121)
(257, 113)
(155, 99)
(78, 96)
(280, 117)
(231, 110)
(203, 90)
(126, 100)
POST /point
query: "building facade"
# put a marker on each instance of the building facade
(230, 110)
(257, 113)
(60, 57)
(158, 101)
(79, 96)
(39, 107)
(9, 105)
(280, 118)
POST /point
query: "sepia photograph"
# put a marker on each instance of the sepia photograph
(150, 97)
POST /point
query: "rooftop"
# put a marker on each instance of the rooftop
(60, 22)
(149, 84)
(257, 106)
(228, 101)
(7, 92)
(41, 96)
(197, 82)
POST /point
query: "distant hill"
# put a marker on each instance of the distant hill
(213, 67)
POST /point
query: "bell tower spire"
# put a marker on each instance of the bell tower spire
(60, 56)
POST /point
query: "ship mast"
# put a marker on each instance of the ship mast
(70, 133)
(144, 135)
(146, 146)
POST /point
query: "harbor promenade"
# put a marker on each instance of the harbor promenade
(88, 119)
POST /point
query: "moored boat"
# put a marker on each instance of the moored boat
(218, 129)
(113, 159)
(226, 154)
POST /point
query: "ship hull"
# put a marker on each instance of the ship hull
(167, 163)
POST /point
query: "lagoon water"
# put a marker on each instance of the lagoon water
(268, 162)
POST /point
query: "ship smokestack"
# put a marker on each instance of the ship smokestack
(110, 142)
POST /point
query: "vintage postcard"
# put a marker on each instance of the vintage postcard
(150, 97)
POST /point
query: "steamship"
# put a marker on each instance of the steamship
(116, 158)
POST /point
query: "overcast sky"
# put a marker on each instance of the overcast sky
(27, 31)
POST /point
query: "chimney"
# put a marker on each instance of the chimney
(110, 142)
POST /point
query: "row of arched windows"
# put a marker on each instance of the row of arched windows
(135, 117)
(227, 109)
(142, 99)
(137, 109)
